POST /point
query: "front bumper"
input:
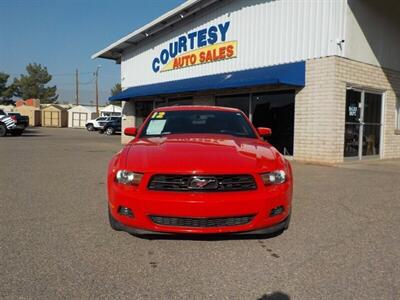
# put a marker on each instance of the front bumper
(263, 231)
(144, 203)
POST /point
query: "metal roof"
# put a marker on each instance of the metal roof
(167, 20)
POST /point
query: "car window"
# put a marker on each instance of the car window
(197, 121)
(2, 112)
(101, 119)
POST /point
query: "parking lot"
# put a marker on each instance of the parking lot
(55, 241)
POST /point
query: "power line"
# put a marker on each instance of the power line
(59, 74)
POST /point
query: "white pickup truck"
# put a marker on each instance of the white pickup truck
(100, 122)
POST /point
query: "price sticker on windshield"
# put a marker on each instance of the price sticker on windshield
(158, 115)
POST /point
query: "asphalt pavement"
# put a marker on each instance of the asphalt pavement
(55, 241)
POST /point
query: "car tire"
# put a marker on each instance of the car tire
(110, 131)
(3, 130)
(287, 222)
(113, 223)
(90, 127)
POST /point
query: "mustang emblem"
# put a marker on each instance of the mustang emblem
(203, 183)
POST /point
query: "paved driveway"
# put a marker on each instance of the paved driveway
(55, 242)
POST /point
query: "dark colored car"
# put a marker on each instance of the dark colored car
(19, 119)
(12, 123)
(111, 126)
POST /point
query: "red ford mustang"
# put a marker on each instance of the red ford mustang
(199, 170)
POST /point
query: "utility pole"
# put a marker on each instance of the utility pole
(97, 89)
(77, 87)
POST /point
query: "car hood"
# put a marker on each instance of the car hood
(215, 154)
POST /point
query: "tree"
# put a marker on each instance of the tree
(33, 85)
(6, 92)
(116, 89)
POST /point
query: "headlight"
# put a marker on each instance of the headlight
(127, 177)
(276, 177)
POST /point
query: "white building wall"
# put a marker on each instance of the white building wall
(268, 33)
(373, 32)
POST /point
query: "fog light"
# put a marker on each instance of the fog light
(276, 211)
(125, 211)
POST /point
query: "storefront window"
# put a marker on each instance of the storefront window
(236, 101)
(180, 101)
(160, 103)
(276, 111)
(142, 110)
(398, 113)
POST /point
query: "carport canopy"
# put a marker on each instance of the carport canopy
(292, 74)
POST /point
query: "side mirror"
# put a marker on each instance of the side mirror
(130, 131)
(264, 132)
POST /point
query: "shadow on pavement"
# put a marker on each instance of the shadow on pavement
(275, 296)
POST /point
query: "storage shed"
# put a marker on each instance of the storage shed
(7, 108)
(79, 115)
(111, 110)
(54, 116)
(34, 114)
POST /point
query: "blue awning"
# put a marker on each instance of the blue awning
(292, 74)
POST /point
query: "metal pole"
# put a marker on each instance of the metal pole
(77, 87)
(97, 91)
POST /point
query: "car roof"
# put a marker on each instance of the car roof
(196, 107)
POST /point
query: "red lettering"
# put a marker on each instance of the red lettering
(215, 56)
(209, 56)
(202, 57)
(222, 53)
(176, 63)
(193, 59)
(229, 51)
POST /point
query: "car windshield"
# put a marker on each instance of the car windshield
(197, 121)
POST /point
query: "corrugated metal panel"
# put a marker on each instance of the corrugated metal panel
(268, 33)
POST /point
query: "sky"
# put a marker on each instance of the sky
(63, 34)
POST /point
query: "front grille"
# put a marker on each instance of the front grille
(224, 183)
(201, 222)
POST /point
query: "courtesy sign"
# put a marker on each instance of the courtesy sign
(206, 45)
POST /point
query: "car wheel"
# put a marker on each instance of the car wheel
(110, 131)
(113, 223)
(287, 222)
(90, 127)
(3, 130)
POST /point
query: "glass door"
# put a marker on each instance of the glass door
(352, 126)
(363, 124)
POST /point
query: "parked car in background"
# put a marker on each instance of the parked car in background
(199, 170)
(112, 126)
(11, 123)
(94, 124)
(19, 119)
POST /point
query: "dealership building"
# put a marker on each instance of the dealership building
(324, 75)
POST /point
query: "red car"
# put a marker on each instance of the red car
(199, 170)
